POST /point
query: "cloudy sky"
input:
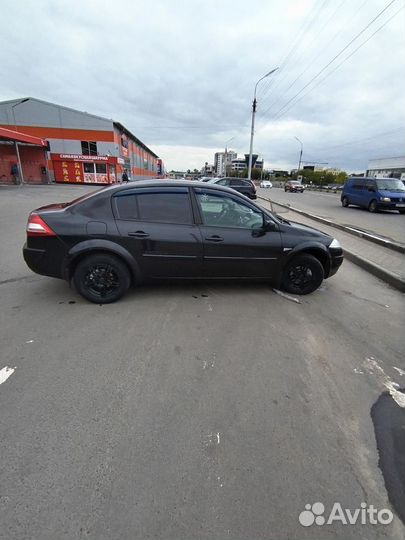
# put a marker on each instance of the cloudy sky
(181, 74)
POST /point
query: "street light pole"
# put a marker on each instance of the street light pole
(299, 162)
(252, 131)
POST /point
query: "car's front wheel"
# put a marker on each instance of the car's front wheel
(372, 207)
(345, 202)
(101, 278)
(302, 275)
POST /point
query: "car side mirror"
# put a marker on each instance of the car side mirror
(267, 225)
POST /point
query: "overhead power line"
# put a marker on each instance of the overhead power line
(298, 39)
(321, 51)
(277, 115)
(335, 57)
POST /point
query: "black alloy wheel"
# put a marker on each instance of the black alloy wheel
(302, 275)
(101, 278)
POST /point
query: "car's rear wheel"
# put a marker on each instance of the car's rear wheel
(302, 275)
(345, 202)
(372, 207)
(101, 278)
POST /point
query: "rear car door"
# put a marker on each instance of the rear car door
(230, 247)
(157, 227)
(243, 186)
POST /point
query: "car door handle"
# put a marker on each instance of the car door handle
(138, 234)
(215, 238)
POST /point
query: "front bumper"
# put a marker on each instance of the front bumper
(336, 260)
(390, 205)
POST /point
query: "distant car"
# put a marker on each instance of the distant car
(242, 185)
(266, 184)
(294, 187)
(374, 194)
(122, 235)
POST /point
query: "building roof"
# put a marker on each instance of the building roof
(17, 136)
(117, 124)
(138, 141)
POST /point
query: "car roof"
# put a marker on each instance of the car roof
(163, 183)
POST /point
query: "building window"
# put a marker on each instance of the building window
(89, 148)
(101, 168)
(88, 167)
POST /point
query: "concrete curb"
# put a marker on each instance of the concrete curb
(350, 230)
(378, 271)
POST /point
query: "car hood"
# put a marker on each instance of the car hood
(305, 230)
(389, 193)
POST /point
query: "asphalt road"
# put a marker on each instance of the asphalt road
(388, 224)
(193, 411)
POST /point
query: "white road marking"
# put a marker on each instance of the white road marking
(375, 369)
(30, 341)
(5, 373)
(400, 371)
(218, 438)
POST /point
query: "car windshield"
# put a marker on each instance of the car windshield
(390, 184)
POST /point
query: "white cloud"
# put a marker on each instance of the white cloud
(180, 75)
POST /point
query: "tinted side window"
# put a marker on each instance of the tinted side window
(125, 207)
(358, 184)
(167, 207)
(220, 210)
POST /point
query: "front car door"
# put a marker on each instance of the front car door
(157, 227)
(231, 248)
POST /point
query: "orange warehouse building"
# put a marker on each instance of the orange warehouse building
(82, 147)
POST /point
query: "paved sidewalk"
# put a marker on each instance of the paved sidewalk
(356, 249)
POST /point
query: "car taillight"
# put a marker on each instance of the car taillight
(36, 226)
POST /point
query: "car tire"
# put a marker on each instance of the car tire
(402, 211)
(302, 275)
(372, 207)
(101, 278)
(345, 202)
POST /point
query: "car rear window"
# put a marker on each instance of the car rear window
(166, 205)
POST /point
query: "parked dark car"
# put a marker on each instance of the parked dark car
(244, 186)
(374, 194)
(123, 235)
(293, 186)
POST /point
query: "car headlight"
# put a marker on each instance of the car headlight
(335, 244)
(385, 199)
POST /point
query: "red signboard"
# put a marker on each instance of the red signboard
(68, 171)
(77, 168)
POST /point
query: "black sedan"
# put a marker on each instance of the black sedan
(242, 185)
(123, 235)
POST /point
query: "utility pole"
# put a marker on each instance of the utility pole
(299, 162)
(252, 130)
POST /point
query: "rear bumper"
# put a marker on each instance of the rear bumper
(41, 262)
